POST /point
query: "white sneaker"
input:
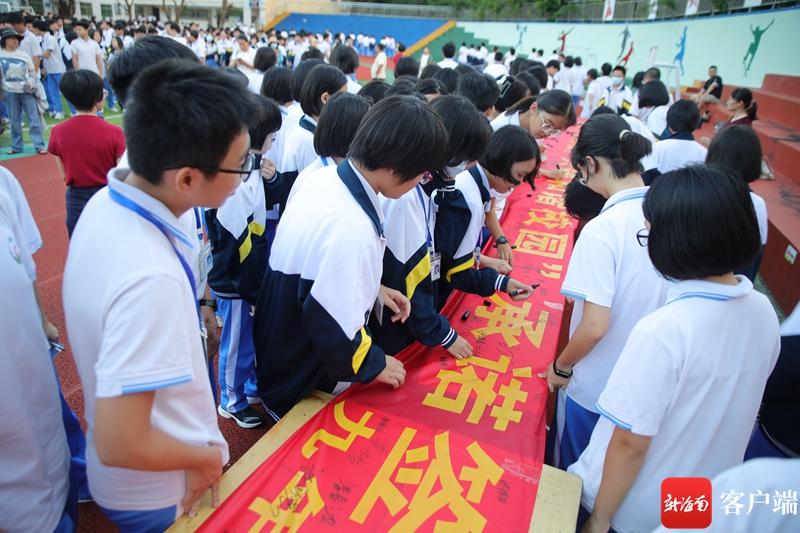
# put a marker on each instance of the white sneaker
(59, 116)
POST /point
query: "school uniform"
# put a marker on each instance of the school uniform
(125, 278)
(620, 100)
(655, 118)
(320, 286)
(760, 207)
(691, 377)
(678, 151)
(505, 119)
(638, 127)
(411, 266)
(299, 150)
(310, 170)
(353, 87)
(595, 91)
(608, 268)
(500, 198)
(460, 214)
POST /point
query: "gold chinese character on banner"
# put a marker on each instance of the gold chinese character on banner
(284, 511)
(541, 243)
(551, 270)
(353, 429)
(548, 218)
(557, 186)
(510, 321)
(436, 482)
(550, 198)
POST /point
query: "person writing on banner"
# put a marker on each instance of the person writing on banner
(609, 276)
(119, 294)
(680, 400)
(323, 279)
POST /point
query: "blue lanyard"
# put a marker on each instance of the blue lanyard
(427, 215)
(324, 161)
(167, 231)
(198, 224)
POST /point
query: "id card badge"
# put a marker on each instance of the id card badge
(436, 264)
(205, 262)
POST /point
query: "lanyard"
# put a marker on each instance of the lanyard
(167, 231)
(427, 215)
(198, 224)
(324, 161)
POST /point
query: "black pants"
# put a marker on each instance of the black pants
(77, 198)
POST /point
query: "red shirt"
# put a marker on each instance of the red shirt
(88, 147)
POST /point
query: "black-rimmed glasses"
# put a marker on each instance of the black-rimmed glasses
(248, 166)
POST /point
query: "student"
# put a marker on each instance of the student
(481, 90)
(86, 146)
(576, 79)
(277, 85)
(609, 276)
(555, 80)
(593, 94)
(637, 126)
(651, 106)
(542, 116)
(19, 82)
(375, 90)
(496, 69)
(323, 278)
(378, 68)
(617, 96)
(449, 77)
(264, 60)
(430, 88)
(738, 148)
(53, 65)
(241, 232)
(605, 76)
(410, 263)
(323, 81)
(86, 53)
(530, 81)
(406, 66)
(117, 298)
(403, 86)
(244, 57)
(743, 107)
(346, 59)
(448, 51)
(295, 110)
(338, 124)
(668, 404)
(424, 60)
(510, 92)
(677, 147)
(581, 202)
(429, 71)
(511, 158)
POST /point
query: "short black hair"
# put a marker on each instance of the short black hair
(603, 110)
(464, 69)
(579, 61)
(605, 68)
(312, 53)
(609, 136)
(449, 77)
(404, 85)
(638, 79)
(41, 26)
(467, 129)
(82, 88)
(530, 82)
(479, 89)
(429, 71)
(592, 73)
(430, 86)
(243, 37)
(553, 63)
(407, 66)
(265, 59)
(540, 73)
(519, 63)
(654, 73)
(702, 223)
(569, 62)
(401, 134)
(83, 23)
(277, 84)
(338, 124)
(174, 26)
(653, 94)
(158, 131)
(683, 116)
(375, 91)
(621, 69)
(511, 91)
(300, 74)
(581, 202)
(555, 102)
(737, 147)
(509, 145)
(322, 79)
(449, 49)
(144, 53)
(345, 58)
(269, 122)
(713, 66)
(498, 56)
(236, 74)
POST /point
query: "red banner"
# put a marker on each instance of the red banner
(460, 445)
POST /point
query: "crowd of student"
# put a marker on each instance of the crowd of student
(325, 224)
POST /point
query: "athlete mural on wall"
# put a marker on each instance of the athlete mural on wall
(681, 44)
(522, 29)
(753, 48)
(563, 39)
(625, 59)
(625, 34)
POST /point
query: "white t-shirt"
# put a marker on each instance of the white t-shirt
(118, 294)
(55, 63)
(87, 51)
(563, 80)
(637, 127)
(655, 118)
(496, 70)
(353, 87)
(691, 376)
(248, 56)
(672, 154)
(29, 232)
(609, 268)
(299, 150)
(34, 456)
(504, 119)
(31, 44)
(577, 77)
(593, 94)
(448, 63)
(760, 207)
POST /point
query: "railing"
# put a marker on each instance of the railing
(396, 10)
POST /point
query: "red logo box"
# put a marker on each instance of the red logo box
(686, 502)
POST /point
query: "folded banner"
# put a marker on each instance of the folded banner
(460, 445)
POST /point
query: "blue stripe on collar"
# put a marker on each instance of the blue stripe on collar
(353, 184)
(703, 295)
(623, 198)
(476, 175)
(307, 124)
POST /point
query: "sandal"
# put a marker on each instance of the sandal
(12, 152)
(42, 151)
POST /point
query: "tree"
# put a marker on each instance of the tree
(65, 8)
(222, 13)
(129, 8)
(549, 8)
(178, 9)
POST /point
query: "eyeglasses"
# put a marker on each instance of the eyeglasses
(642, 236)
(547, 128)
(244, 172)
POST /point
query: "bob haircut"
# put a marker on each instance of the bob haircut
(581, 202)
(265, 59)
(509, 145)
(468, 130)
(345, 58)
(406, 66)
(540, 73)
(449, 77)
(556, 102)
(737, 147)
(401, 134)
(269, 122)
(479, 89)
(609, 136)
(277, 84)
(430, 86)
(322, 79)
(338, 124)
(511, 92)
(683, 116)
(530, 81)
(375, 91)
(429, 70)
(82, 88)
(653, 94)
(300, 74)
(702, 223)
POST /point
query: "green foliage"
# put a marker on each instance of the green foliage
(549, 7)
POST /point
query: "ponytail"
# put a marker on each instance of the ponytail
(745, 96)
(609, 136)
(752, 111)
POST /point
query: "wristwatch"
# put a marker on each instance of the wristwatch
(560, 373)
(501, 240)
(208, 303)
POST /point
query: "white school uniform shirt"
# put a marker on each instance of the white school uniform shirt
(353, 87)
(609, 268)
(562, 80)
(638, 127)
(463, 53)
(29, 232)
(275, 152)
(672, 154)
(655, 118)
(504, 119)
(55, 63)
(87, 51)
(310, 170)
(34, 456)
(691, 376)
(496, 70)
(118, 294)
(604, 81)
(577, 77)
(593, 92)
(760, 207)
(299, 150)
(448, 62)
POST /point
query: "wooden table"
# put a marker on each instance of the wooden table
(557, 501)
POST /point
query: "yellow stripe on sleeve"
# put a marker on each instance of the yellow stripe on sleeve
(460, 268)
(361, 351)
(417, 274)
(254, 228)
